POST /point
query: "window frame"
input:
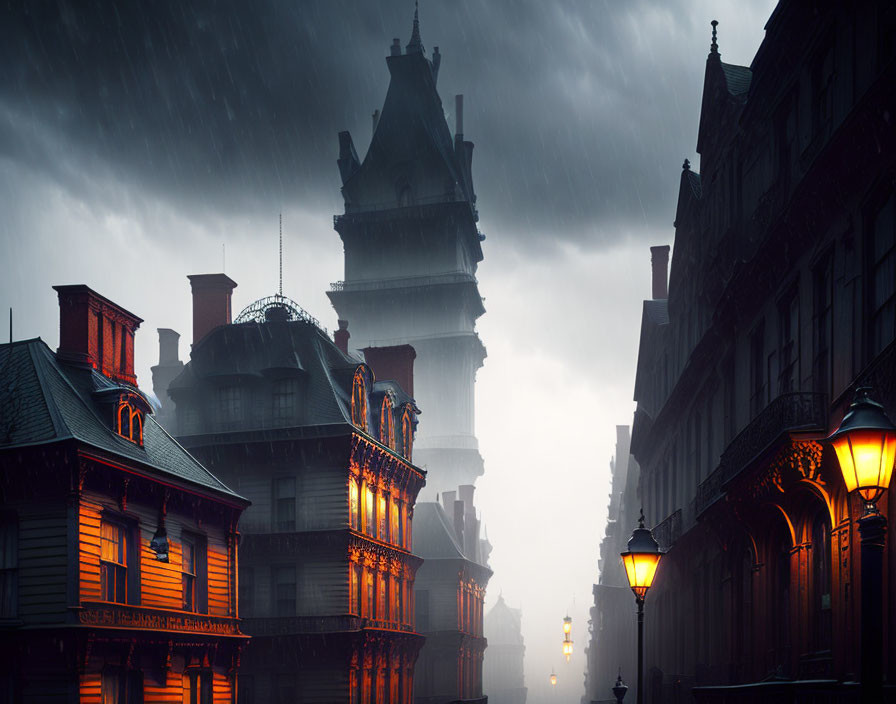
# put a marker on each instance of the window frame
(359, 399)
(9, 566)
(278, 598)
(285, 504)
(120, 567)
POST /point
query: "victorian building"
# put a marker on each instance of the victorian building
(611, 648)
(503, 677)
(118, 550)
(412, 247)
(323, 449)
(781, 301)
(450, 598)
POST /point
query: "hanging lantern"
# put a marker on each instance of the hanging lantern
(567, 624)
(567, 648)
(865, 444)
(553, 678)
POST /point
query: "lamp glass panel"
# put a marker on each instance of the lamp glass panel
(866, 461)
(640, 569)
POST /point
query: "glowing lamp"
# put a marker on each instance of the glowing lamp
(567, 648)
(553, 678)
(641, 559)
(567, 624)
(865, 444)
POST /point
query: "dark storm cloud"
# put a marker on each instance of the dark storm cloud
(580, 111)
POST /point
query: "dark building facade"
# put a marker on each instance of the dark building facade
(323, 449)
(781, 301)
(118, 550)
(611, 648)
(504, 678)
(450, 598)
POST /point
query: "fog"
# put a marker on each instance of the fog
(137, 148)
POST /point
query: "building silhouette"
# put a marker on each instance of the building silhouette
(323, 449)
(118, 550)
(411, 251)
(503, 677)
(781, 302)
(611, 648)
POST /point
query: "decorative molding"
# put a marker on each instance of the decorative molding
(102, 615)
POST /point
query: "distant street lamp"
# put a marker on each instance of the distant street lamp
(865, 444)
(619, 689)
(567, 624)
(640, 561)
(567, 648)
(553, 677)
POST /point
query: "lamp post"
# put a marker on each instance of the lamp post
(865, 444)
(640, 561)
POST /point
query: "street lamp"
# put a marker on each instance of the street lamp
(553, 677)
(567, 648)
(567, 624)
(865, 444)
(640, 561)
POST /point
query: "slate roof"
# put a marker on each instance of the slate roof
(737, 78)
(44, 400)
(657, 310)
(695, 183)
(434, 537)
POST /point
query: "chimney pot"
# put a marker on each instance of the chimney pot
(211, 302)
(659, 260)
(396, 47)
(395, 362)
(341, 336)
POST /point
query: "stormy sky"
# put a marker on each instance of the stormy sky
(143, 142)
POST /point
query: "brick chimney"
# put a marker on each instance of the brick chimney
(659, 260)
(395, 363)
(340, 337)
(95, 331)
(168, 344)
(211, 302)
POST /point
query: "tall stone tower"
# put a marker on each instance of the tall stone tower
(411, 251)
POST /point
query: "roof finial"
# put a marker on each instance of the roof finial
(415, 46)
(641, 518)
(281, 254)
(714, 47)
(686, 166)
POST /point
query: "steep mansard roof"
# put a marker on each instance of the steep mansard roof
(297, 347)
(410, 134)
(434, 536)
(44, 400)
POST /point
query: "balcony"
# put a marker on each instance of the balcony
(668, 531)
(103, 614)
(279, 625)
(791, 412)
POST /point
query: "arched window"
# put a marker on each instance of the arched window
(129, 421)
(387, 423)
(407, 432)
(354, 504)
(821, 582)
(359, 400)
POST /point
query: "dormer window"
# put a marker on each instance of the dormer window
(407, 432)
(359, 400)
(129, 420)
(387, 423)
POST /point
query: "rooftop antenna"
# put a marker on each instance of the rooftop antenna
(223, 258)
(281, 254)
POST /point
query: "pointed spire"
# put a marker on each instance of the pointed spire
(686, 166)
(714, 47)
(415, 46)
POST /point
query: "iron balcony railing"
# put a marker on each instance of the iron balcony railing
(669, 530)
(790, 412)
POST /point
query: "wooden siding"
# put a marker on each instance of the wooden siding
(43, 561)
(169, 691)
(160, 582)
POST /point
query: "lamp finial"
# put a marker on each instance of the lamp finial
(714, 47)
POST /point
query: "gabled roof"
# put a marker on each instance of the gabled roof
(43, 400)
(434, 536)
